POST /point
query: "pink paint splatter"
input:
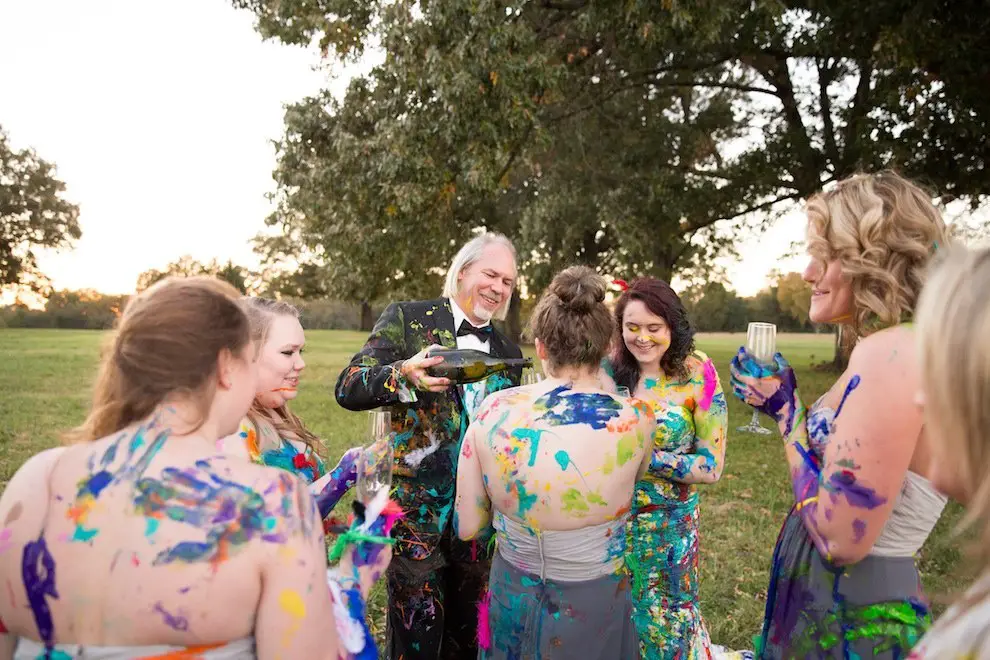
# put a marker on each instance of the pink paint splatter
(5, 540)
(711, 381)
(484, 628)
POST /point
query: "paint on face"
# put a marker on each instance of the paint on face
(646, 335)
(484, 286)
(280, 362)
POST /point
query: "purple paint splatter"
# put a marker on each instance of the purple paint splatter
(859, 529)
(38, 572)
(843, 482)
(175, 622)
(342, 478)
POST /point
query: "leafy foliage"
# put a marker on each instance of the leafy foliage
(33, 214)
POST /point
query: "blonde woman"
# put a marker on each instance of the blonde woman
(843, 583)
(271, 434)
(953, 328)
(139, 541)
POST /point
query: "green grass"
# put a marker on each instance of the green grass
(46, 375)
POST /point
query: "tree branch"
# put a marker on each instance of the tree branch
(824, 80)
(860, 106)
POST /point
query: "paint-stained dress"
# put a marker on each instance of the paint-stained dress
(662, 548)
(872, 609)
(286, 455)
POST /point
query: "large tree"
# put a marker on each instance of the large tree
(186, 266)
(33, 214)
(640, 137)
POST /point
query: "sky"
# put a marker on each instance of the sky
(160, 118)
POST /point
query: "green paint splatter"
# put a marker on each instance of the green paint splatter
(595, 498)
(573, 500)
(627, 448)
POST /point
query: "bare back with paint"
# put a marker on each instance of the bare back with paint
(562, 455)
(139, 535)
(552, 467)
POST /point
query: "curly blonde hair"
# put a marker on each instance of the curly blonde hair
(883, 229)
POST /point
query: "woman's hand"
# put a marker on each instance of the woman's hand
(771, 389)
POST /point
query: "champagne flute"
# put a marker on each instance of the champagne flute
(761, 344)
(374, 464)
(531, 377)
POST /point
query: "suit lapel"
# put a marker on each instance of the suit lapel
(443, 330)
(443, 320)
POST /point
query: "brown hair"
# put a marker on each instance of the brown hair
(261, 312)
(572, 320)
(167, 342)
(883, 229)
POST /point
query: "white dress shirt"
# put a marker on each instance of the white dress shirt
(472, 394)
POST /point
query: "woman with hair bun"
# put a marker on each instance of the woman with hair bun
(843, 583)
(655, 359)
(552, 465)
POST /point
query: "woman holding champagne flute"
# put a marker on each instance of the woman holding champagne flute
(843, 583)
(656, 360)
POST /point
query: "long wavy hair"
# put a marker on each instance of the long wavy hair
(662, 301)
(167, 343)
(883, 229)
(261, 312)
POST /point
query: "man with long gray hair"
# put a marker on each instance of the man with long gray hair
(435, 581)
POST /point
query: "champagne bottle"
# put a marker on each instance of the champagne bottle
(464, 365)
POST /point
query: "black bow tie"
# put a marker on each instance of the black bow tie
(483, 333)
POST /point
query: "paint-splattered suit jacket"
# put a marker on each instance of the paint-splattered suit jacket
(429, 430)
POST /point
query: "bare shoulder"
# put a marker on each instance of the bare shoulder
(890, 352)
(25, 499)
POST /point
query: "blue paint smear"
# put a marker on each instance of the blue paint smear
(565, 407)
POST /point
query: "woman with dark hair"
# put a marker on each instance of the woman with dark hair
(655, 359)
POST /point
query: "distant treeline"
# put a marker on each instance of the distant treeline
(712, 308)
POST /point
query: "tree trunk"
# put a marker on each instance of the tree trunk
(841, 358)
(513, 321)
(367, 321)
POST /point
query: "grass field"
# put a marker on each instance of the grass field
(45, 379)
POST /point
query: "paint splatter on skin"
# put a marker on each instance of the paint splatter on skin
(563, 406)
(843, 482)
(342, 478)
(173, 621)
(106, 474)
(229, 513)
(292, 604)
(38, 573)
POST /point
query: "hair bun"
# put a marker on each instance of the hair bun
(579, 288)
